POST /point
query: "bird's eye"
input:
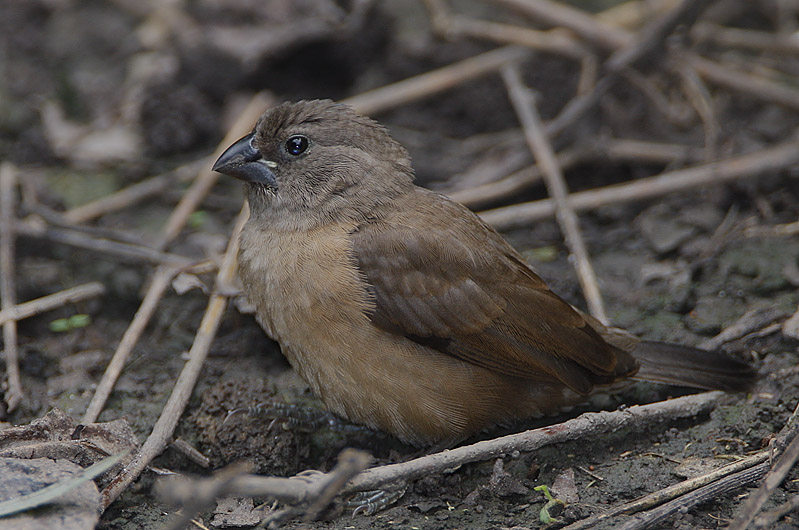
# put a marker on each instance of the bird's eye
(296, 145)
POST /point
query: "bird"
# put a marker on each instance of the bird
(401, 309)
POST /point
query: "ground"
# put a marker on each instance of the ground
(679, 267)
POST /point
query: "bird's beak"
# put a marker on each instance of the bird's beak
(243, 161)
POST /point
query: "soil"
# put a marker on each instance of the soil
(680, 268)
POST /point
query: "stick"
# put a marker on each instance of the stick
(515, 182)
(613, 149)
(132, 194)
(8, 291)
(76, 238)
(586, 425)
(770, 159)
(583, 24)
(165, 426)
(160, 281)
(51, 301)
(525, 108)
(749, 84)
(380, 99)
(749, 39)
(647, 43)
(551, 41)
(787, 440)
(670, 492)
(706, 493)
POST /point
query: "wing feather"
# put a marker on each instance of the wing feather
(453, 284)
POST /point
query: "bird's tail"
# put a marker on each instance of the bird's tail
(679, 365)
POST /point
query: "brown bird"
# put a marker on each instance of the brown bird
(403, 310)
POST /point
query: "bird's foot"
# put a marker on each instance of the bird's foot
(372, 501)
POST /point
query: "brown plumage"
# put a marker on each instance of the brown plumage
(403, 310)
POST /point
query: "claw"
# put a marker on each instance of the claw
(372, 501)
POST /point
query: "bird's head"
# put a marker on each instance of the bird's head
(317, 161)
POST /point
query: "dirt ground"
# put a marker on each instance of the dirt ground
(97, 96)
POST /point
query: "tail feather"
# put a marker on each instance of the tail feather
(679, 365)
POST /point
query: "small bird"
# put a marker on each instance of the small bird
(400, 308)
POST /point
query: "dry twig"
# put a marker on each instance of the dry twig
(752, 320)
(165, 426)
(117, 249)
(786, 443)
(670, 492)
(132, 194)
(772, 158)
(582, 23)
(427, 84)
(524, 104)
(51, 301)
(308, 493)
(8, 178)
(160, 281)
(586, 425)
(747, 39)
(649, 41)
(611, 149)
(746, 83)
(706, 493)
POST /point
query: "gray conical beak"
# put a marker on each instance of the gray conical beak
(243, 161)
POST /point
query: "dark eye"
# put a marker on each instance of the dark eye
(296, 145)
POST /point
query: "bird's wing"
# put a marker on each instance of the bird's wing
(442, 278)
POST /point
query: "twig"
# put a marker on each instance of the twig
(524, 105)
(787, 436)
(701, 99)
(51, 301)
(350, 463)
(743, 82)
(767, 519)
(8, 291)
(553, 41)
(76, 238)
(165, 426)
(427, 84)
(649, 152)
(160, 281)
(773, 158)
(706, 493)
(670, 492)
(588, 424)
(207, 178)
(748, 39)
(56, 220)
(783, 230)
(648, 41)
(132, 194)
(306, 492)
(612, 149)
(183, 447)
(633, 14)
(652, 39)
(775, 476)
(752, 320)
(514, 183)
(583, 24)
(294, 490)
(204, 496)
